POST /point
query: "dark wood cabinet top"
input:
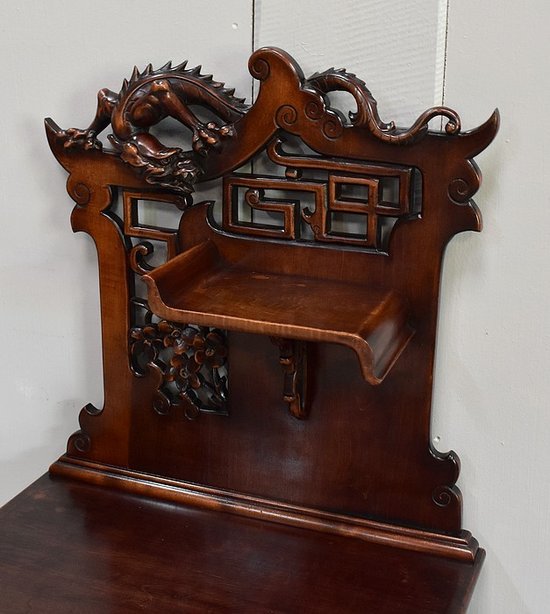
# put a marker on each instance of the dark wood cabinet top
(67, 547)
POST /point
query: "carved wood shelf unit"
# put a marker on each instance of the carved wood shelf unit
(268, 359)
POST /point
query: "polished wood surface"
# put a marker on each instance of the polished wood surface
(360, 450)
(371, 321)
(264, 443)
(66, 546)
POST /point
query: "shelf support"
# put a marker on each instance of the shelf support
(293, 361)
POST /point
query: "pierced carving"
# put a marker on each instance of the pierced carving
(133, 228)
(255, 197)
(371, 205)
(151, 95)
(377, 302)
(189, 359)
(373, 195)
(145, 100)
(138, 258)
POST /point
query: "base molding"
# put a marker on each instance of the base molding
(463, 547)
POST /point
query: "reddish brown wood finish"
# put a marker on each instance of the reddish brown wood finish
(246, 294)
(71, 547)
(353, 317)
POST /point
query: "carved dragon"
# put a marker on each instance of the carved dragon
(153, 95)
(339, 80)
(145, 100)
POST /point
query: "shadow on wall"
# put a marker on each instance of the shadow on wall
(495, 575)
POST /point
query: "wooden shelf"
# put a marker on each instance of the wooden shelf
(199, 286)
(68, 546)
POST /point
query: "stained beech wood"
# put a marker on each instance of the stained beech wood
(67, 547)
(463, 547)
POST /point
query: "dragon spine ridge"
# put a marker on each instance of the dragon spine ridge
(167, 71)
(145, 99)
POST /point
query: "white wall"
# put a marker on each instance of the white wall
(491, 386)
(56, 56)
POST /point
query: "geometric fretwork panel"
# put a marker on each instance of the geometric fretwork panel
(190, 361)
(354, 204)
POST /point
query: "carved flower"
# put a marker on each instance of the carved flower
(180, 340)
(184, 371)
(146, 341)
(210, 350)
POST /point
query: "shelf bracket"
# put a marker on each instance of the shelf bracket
(293, 361)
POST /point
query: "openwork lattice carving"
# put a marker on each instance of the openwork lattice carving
(190, 360)
(133, 228)
(371, 197)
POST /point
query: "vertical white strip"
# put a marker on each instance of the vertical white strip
(396, 46)
(252, 49)
(441, 52)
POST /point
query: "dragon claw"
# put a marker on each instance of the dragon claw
(209, 136)
(81, 139)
